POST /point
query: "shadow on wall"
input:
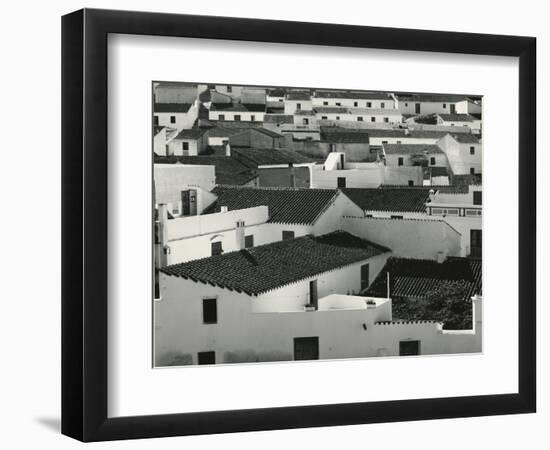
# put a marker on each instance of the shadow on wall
(174, 359)
(246, 356)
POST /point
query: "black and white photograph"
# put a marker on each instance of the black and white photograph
(305, 223)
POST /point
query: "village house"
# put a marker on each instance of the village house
(161, 139)
(354, 144)
(297, 101)
(415, 104)
(469, 106)
(242, 94)
(463, 211)
(257, 138)
(173, 92)
(188, 142)
(368, 117)
(405, 155)
(260, 307)
(276, 167)
(460, 120)
(275, 97)
(350, 99)
(237, 112)
(175, 115)
(463, 152)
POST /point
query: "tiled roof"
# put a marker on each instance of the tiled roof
(277, 92)
(237, 107)
(278, 118)
(353, 95)
(298, 96)
(343, 137)
(261, 157)
(286, 205)
(437, 171)
(171, 107)
(304, 112)
(228, 170)
(330, 110)
(450, 98)
(416, 277)
(375, 111)
(267, 132)
(157, 129)
(261, 269)
(233, 124)
(222, 132)
(410, 149)
(465, 138)
(456, 117)
(387, 199)
(193, 133)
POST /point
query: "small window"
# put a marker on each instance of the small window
(341, 182)
(396, 217)
(209, 311)
(411, 183)
(305, 121)
(337, 117)
(221, 117)
(249, 241)
(298, 106)
(409, 348)
(444, 105)
(338, 104)
(398, 142)
(207, 357)
(472, 150)
(229, 89)
(325, 103)
(406, 104)
(185, 145)
(324, 117)
(477, 197)
(355, 104)
(252, 118)
(386, 119)
(156, 120)
(172, 119)
(369, 104)
(432, 161)
(360, 119)
(373, 119)
(288, 235)
(237, 118)
(384, 142)
(382, 105)
(400, 161)
(472, 171)
(216, 248)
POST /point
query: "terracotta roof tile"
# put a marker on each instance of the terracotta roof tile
(389, 199)
(260, 269)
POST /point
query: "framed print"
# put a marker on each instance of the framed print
(312, 213)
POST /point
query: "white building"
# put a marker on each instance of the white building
(460, 120)
(463, 211)
(350, 99)
(237, 112)
(296, 101)
(428, 103)
(403, 155)
(291, 300)
(463, 152)
(176, 115)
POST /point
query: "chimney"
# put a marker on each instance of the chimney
(224, 209)
(239, 234)
(431, 195)
(292, 175)
(440, 257)
(227, 149)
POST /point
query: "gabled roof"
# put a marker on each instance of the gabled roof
(350, 137)
(286, 205)
(191, 134)
(267, 132)
(238, 107)
(414, 278)
(261, 269)
(254, 157)
(223, 132)
(457, 117)
(411, 149)
(362, 95)
(276, 92)
(330, 109)
(298, 96)
(387, 199)
(278, 118)
(430, 98)
(465, 138)
(171, 107)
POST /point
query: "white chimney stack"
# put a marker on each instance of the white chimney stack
(224, 209)
(239, 234)
(227, 149)
(441, 257)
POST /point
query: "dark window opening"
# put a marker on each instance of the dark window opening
(313, 297)
(472, 150)
(209, 311)
(221, 117)
(306, 348)
(288, 235)
(411, 183)
(237, 118)
(341, 182)
(432, 161)
(472, 171)
(409, 348)
(249, 241)
(216, 248)
(373, 119)
(369, 104)
(360, 119)
(477, 197)
(185, 145)
(400, 161)
(156, 120)
(172, 119)
(207, 357)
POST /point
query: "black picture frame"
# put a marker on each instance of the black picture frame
(84, 224)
